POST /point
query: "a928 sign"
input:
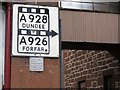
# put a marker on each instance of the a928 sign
(33, 29)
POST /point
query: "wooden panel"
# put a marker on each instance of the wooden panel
(89, 26)
(21, 77)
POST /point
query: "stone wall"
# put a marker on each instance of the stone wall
(91, 67)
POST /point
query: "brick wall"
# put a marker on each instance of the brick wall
(89, 66)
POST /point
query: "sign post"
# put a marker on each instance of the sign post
(35, 31)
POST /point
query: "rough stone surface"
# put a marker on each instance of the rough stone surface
(91, 65)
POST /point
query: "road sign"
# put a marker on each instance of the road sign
(35, 31)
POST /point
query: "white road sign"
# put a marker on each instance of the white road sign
(35, 31)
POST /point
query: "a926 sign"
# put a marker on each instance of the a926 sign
(34, 27)
(31, 44)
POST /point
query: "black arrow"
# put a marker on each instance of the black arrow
(38, 33)
(52, 33)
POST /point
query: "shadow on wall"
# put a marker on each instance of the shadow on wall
(114, 49)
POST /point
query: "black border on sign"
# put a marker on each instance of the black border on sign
(31, 35)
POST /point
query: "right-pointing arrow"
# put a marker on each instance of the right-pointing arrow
(52, 33)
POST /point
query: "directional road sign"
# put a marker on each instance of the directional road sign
(35, 31)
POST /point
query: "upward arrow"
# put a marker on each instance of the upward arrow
(52, 33)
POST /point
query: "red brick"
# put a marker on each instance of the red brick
(95, 64)
(109, 60)
(66, 60)
(77, 63)
(90, 59)
(103, 67)
(71, 57)
(107, 55)
(85, 60)
(88, 83)
(69, 53)
(97, 52)
(104, 62)
(84, 52)
(85, 72)
(88, 76)
(94, 84)
(95, 74)
(79, 53)
(99, 63)
(90, 71)
(111, 64)
(99, 55)
(64, 54)
(76, 55)
(82, 57)
(74, 51)
(90, 64)
(96, 68)
(92, 53)
(100, 81)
